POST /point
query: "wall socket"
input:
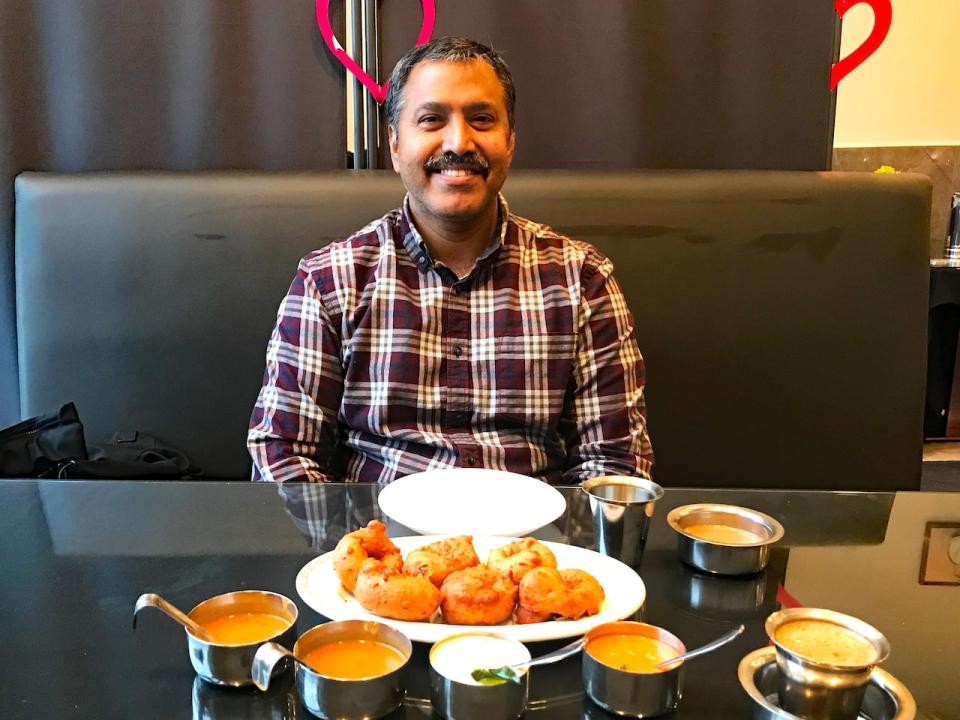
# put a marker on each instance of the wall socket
(940, 561)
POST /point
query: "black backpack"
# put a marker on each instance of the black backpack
(53, 446)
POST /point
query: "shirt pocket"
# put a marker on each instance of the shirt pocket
(527, 379)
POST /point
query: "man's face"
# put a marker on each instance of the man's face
(453, 143)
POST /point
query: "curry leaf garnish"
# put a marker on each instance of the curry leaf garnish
(495, 676)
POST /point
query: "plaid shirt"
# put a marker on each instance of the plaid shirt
(383, 363)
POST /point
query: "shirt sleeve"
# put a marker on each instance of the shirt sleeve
(606, 415)
(293, 430)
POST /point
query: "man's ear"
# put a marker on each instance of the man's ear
(392, 141)
(512, 143)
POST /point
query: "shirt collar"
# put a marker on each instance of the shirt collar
(417, 247)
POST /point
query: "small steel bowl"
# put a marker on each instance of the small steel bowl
(632, 694)
(332, 697)
(230, 664)
(809, 687)
(720, 558)
(456, 699)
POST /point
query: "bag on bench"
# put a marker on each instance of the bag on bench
(39, 447)
(53, 446)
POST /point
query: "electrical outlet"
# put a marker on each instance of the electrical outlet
(940, 561)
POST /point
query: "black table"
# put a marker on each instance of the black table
(76, 555)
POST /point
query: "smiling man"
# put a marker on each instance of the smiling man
(451, 332)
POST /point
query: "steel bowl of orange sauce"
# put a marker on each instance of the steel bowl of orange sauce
(724, 539)
(238, 622)
(620, 673)
(344, 669)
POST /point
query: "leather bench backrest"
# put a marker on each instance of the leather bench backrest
(782, 316)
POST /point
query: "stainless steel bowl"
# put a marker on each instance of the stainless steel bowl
(811, 688)
(331, 697)
(720, 558)
(230, 664)
(639, 695)
(456, 700)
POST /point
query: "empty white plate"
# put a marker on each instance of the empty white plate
(463, 501)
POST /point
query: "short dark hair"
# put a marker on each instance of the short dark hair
(446, 49)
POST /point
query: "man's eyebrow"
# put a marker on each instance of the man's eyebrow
(431, 107)
(480, 105)
(437, 107)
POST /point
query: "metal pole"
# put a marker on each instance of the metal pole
(371, 61)
(359, 156)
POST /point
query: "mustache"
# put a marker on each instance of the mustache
(451, 160)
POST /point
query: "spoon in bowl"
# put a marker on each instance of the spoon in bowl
(509, 672)
(702, 650)
(152, 600)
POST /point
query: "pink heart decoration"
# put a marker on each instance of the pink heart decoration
(379, 92)
(882, 17)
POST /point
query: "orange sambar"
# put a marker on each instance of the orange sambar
(631, 653)
(245, 628)
(354, 659)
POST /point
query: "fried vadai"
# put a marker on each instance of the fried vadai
(477, 596)
(518, 558)
(437, 560)
(356, 547)
(547, 592)
(385, 590)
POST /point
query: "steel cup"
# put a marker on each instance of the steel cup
(230, 664)
(631, 694)
(332, 697)
(222, 663)
(813, 689)
(622, 507)
(453, 699)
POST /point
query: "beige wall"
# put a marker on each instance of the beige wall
(908, 92)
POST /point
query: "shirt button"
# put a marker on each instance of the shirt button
(457, 351)
(471, 460)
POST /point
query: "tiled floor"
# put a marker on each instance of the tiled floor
(941, 466)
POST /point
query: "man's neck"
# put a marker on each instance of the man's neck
(458, 245)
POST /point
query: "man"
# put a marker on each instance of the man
(451, 333)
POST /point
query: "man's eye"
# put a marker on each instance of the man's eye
(483, 119)
(428, 119)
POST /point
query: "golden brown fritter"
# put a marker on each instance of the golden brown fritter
(385, 590)
(517, 558)
(545, 593)
(437, 560)
(477, 596)
(356, 547)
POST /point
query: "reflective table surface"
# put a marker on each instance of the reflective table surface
(76, 555)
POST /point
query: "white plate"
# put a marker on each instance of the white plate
(320, 588)
(461, 501)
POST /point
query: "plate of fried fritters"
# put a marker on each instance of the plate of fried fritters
(432, 586)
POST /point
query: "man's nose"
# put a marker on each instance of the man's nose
(459, 136)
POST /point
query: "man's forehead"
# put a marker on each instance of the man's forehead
(442, 82)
